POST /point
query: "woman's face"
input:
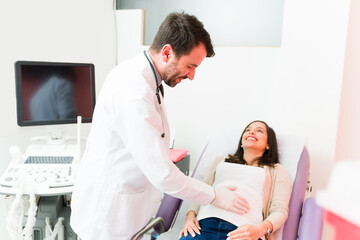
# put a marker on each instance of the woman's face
(255, 137)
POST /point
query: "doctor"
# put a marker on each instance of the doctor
(125, 167)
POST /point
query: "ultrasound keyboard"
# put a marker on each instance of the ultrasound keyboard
(44, 169)
(49, 160)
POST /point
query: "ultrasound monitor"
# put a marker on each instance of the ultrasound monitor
(50, 93)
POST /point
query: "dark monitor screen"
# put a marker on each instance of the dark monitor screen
(54, 93)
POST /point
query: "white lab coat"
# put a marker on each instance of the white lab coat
(126, 167)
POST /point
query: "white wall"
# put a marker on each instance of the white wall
(76, 31)
(295, 88)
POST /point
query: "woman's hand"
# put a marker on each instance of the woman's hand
(248, 232)
(191, 226)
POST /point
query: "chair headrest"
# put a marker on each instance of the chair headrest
(225, 141)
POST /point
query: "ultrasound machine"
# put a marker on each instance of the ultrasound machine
(39, 183)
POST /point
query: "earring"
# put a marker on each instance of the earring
(241, 145)
(267, 148)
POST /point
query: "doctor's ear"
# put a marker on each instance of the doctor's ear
(167, 52)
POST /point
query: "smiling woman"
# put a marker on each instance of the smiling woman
(257, 146)
(254, 171)
(254, 140)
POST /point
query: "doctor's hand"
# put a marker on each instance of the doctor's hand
(191, 226)
(226, 198)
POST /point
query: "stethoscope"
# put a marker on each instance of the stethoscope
(156, 81)
(157, 90)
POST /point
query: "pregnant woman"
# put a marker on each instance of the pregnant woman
(255, 171)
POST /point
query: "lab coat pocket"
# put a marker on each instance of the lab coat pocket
(128, 213)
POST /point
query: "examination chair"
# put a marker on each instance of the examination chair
(311, 221)
(293, 156)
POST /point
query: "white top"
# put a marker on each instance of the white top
(249, 181)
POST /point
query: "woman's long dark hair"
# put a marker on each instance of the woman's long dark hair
(269, 158)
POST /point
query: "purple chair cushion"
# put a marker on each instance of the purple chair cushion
(291, 226)
(311, 222)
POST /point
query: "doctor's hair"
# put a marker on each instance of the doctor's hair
(269, 158)
(183, 32)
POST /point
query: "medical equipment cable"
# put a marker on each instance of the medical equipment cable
(157, 93)
(58, 230)
(16, 214)
(31, 219)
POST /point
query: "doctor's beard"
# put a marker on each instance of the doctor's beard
(171, 76)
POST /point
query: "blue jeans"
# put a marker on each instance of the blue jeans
(212, 229)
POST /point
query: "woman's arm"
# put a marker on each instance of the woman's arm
(279, 204)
